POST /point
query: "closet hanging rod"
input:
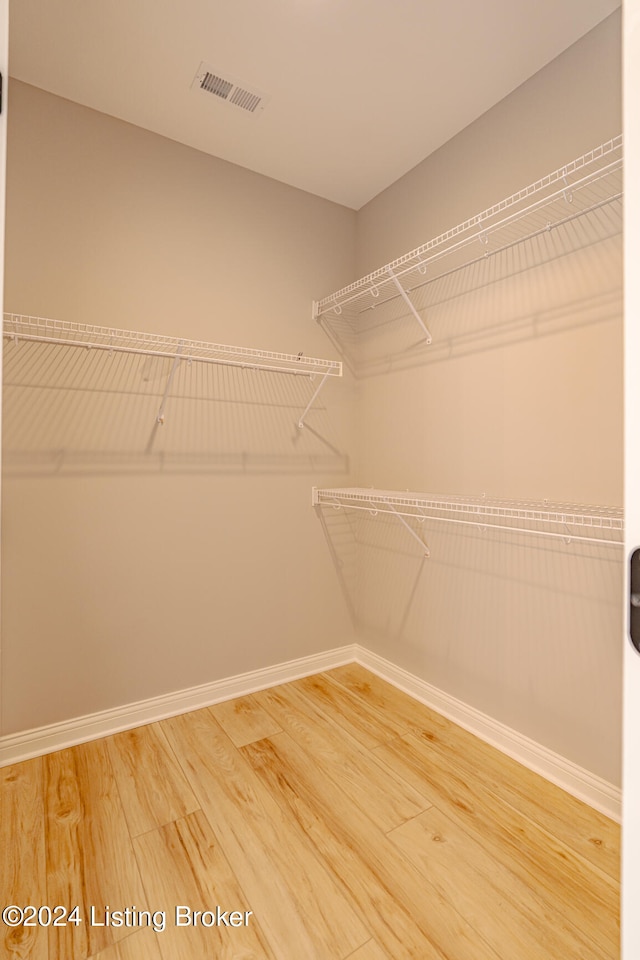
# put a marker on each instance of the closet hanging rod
(436, 249)
(66, 333)
(495, 251)
(442, 245)
(481, 512)
(539, 232)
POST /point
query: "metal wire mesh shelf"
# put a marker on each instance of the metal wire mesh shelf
(566, 521)
(590, 186)
(64, 332)
(79, 335)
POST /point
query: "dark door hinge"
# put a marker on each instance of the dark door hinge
(634, 599)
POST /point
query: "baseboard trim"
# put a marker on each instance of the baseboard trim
(595, 791)
(57, 736)
(598, 793)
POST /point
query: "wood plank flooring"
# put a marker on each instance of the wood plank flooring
(333, 818)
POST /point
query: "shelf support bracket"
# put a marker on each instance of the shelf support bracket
(174, 367)
(310, 404)
(405, 297)
(415, 536)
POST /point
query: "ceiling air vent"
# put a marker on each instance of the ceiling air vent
(210, 81)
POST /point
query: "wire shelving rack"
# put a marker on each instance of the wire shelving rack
(18, 327)
(589, 185)
(565, 521)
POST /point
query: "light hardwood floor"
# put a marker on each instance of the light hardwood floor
(337, 816)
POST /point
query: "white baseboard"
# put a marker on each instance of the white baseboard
(57, 736)
(577, 781)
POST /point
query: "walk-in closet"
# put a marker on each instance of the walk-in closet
(313, 526)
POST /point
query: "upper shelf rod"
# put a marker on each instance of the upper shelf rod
(66, 333)
(592, 166)
(564, 521)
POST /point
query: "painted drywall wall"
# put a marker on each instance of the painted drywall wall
(141, 559)
(519, 396)
(140, 562)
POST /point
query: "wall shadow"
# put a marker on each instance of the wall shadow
(70, 410)
(482, 617)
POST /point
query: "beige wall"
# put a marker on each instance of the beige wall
(527, 632)
(138, 562)
(564, 110)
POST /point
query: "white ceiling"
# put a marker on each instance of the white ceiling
(360, 90)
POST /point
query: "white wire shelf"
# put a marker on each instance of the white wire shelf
(18, 327)
(71, 334)
(566, 521)
(590, 186)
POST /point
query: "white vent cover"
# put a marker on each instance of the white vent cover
(213, 82)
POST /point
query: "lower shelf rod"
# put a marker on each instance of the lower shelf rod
(566, 534)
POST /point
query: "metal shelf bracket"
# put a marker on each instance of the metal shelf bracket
(373, 507)
(174, 367)
(415, 536)
(310, 404)
(403, 293)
